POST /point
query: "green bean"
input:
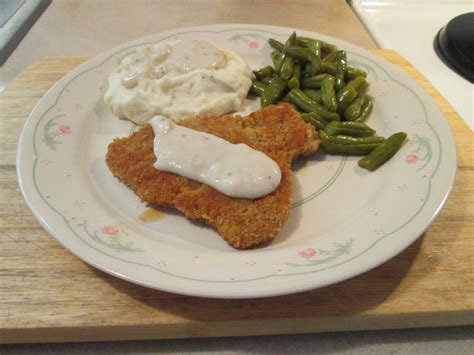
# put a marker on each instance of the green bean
(291, 41)
(341, 66)
(317, 116)
(353, 110)
(356, 83)
(298, 98)
(314, 82)
(349, 92)
(309, 70)
(334, 147)
(328, 94)
(275, 44)
(314, 46)
(328, 67)
(365, 110)
(351, 72)
(277, 60)
(303, 55)
(294, 82)
(313, 94)
(264, 72)
(342, 139)
(300, 53)
(331, 57)
(361, 90)
(349, 128)
(354, 149)
(267, 80)
(314, 119)
(304, 41)
(383, 152)
(287, 68)
(345, 98)
(273, 91)
(330, 48)
(257, 88)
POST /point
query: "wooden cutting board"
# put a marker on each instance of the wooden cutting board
(48, 295)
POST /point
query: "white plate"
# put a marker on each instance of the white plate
(344, 220)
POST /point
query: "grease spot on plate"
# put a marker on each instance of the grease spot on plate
(151, 215)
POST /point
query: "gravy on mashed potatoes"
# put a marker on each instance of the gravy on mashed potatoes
(178, 79)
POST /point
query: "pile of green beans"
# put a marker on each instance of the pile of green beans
(330, 94)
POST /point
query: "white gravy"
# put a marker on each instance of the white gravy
(236, 170)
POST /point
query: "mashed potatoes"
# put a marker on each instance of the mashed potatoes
(178, 80)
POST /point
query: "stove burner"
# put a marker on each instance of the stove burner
(454, 44)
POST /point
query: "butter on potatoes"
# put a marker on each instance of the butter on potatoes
(178, 79)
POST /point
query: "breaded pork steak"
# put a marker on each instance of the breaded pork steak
(277, 131)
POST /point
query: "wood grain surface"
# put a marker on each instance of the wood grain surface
(49, 295)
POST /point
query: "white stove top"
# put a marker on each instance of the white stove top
(409, 27)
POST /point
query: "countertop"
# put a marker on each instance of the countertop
(384, 23)
(89, 27)
(71, 28)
